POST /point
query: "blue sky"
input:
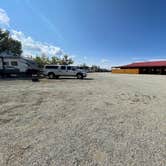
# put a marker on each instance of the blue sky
(102, 32)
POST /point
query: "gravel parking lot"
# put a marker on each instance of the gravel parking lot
(106, 119)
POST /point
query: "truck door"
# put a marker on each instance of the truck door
(71, 70)
(63, 71)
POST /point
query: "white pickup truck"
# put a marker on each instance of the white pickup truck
(55, 71)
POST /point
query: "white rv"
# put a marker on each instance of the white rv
(10, 64)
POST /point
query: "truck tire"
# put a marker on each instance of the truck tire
(79, 76)
(51, 75)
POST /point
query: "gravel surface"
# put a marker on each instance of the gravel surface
(106, 119)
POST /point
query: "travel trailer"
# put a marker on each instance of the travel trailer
(10, 64)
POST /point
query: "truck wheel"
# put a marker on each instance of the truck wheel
(80, 76)
(51, 75)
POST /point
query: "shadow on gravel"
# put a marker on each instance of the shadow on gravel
(72, 78)
(30, 78)
(14, 79)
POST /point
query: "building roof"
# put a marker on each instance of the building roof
(146, 64)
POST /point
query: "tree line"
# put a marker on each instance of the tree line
(45, 60)
(93, 68)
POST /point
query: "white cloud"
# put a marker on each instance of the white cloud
(105, 63)
(32, 47)
(163, 59)
(72, 56)
(4, 18)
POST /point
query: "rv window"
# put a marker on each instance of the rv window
(6, 63)
(14, 63)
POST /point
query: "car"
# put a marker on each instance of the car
(55, 71)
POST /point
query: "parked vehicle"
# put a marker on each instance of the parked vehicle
(55, 71)
(10, 64)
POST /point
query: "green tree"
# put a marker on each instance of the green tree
(55, 60)
(41, 60)
(9, 45)
(84, 66)
(66, 60)
(95, 68)
(44, 60)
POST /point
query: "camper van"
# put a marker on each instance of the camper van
(10, 65)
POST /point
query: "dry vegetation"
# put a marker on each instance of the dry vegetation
(115, 120)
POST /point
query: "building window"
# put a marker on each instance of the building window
(14, 63)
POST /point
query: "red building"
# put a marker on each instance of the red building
(151, 67)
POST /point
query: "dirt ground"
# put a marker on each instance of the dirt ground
(106, 119)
